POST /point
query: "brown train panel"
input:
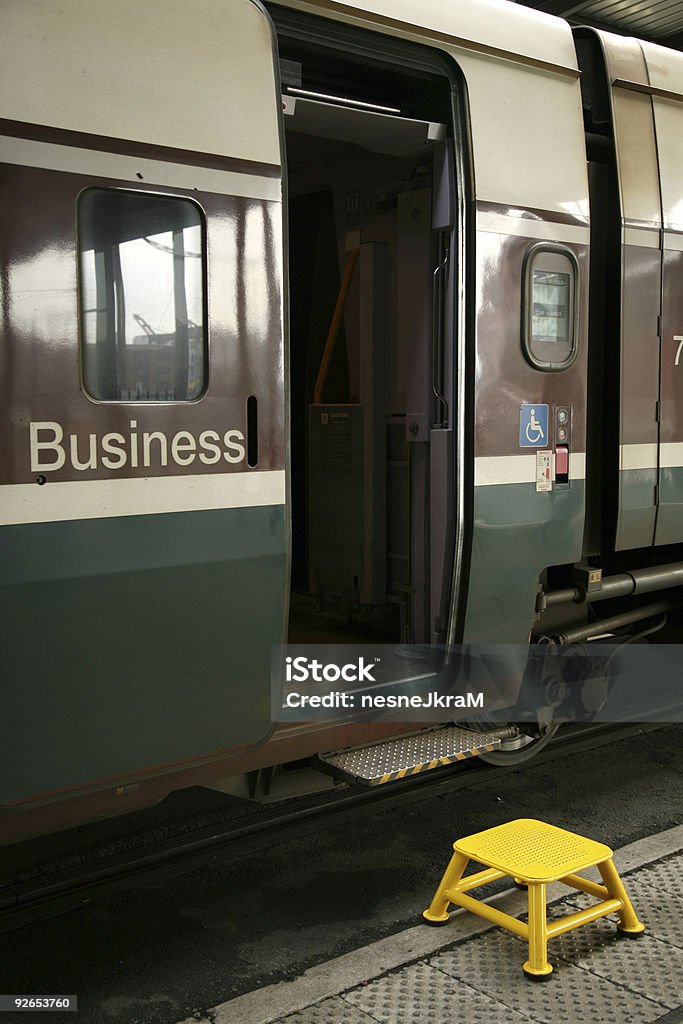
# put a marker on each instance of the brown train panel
(672, 351)
(41, 380)
(670, 490)
(504, 378)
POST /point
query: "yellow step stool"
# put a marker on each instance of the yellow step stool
(534, 853)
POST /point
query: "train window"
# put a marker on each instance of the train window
(141, 293)
(549, 320)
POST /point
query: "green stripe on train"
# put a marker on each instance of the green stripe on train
(517, 533)
(136, 642)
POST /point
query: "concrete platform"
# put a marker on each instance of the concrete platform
(470, 971)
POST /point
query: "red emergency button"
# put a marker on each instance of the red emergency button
(562, 463)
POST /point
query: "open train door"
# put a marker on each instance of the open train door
(144, 538)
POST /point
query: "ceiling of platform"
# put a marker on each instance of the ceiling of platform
(657, 20)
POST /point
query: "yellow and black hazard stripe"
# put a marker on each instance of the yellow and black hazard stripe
(403, 773)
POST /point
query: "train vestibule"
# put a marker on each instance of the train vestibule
(372, 226)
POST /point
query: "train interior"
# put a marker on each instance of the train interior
(368, 148)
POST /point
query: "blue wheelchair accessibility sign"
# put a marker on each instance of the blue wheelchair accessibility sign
(533, 426)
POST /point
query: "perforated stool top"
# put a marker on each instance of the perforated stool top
(533, 850)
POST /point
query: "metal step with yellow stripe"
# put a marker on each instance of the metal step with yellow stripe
(400, 758)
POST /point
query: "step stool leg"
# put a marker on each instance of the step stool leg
(438, 908)
(628, 921)
(537, 966)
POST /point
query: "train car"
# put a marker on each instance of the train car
(316, 313)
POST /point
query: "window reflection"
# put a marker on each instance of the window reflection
(550, 311)
(142, 299)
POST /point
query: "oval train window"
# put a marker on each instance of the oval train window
(549, 307)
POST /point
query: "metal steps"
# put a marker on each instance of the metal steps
(409, 755)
